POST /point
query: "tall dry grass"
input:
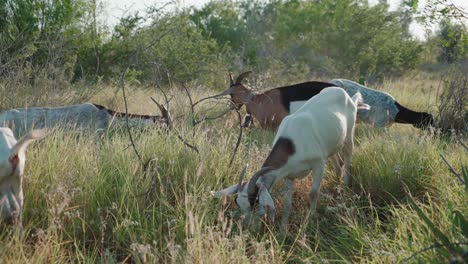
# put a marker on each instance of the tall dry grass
(88, 199)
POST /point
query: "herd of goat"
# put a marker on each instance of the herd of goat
(314, 123)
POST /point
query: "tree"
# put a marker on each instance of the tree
(453, 39)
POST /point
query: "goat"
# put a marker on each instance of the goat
(12, 160)
(82, 116)
(385, 110)
(323, 127)
(270, 107)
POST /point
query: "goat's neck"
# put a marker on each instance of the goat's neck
(246, 95)
(268, 179)
(248, 100)
(132, 121)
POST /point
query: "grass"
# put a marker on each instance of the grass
(88, 199)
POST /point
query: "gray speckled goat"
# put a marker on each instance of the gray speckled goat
(84, 116)
(385, 110)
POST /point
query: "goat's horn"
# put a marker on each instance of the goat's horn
(241, 177)
(165, 112)
(242, 76)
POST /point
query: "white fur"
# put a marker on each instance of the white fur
(295, 105)
(321, 128)
(12, 160)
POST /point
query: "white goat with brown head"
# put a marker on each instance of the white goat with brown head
(12, 160)
(321, 128)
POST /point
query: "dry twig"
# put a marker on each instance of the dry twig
(452, 170)
(122, 82)
(433, 246)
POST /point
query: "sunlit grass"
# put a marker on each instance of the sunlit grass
(88, 198)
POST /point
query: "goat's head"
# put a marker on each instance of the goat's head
(11, 171)
(166, 116)
(253, 198)
(426, 120)
(237, 90)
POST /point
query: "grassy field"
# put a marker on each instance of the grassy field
(88, 198)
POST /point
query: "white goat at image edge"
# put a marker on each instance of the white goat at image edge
(12, 161)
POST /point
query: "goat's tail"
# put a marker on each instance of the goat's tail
(21, 145)
(359, 102)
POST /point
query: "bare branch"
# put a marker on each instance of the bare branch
(192, 107)
(452, 170)
(194, 148)
(216, 96)
(238, 138)
(206, 118)
(122, 82)
(433, 246)
(463, 144)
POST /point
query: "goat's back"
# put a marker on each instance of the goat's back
(320, 126)
(75, 116)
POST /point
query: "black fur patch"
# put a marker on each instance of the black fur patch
(418, 119)
(301, 92)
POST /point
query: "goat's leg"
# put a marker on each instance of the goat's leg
(248, 121)
(337, 164)
(287, 204)
(315, 190)
(347, 158)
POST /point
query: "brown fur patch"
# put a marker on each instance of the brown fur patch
(268, 109)
(279, 155)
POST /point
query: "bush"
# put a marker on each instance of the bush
(453, 106)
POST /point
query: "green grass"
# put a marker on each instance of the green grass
(87, 198)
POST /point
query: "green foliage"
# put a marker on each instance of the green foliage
(35, 33)
(453, 38)
(362, 40)
(349, 38)
(221, 21)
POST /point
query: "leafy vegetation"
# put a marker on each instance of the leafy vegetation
(67, 40)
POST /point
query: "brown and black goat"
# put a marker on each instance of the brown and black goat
(270, 107)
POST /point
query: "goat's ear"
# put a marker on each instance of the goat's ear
(242, 76)
(267, 203)
(225, 192)
(24, 142)
(231, 80)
